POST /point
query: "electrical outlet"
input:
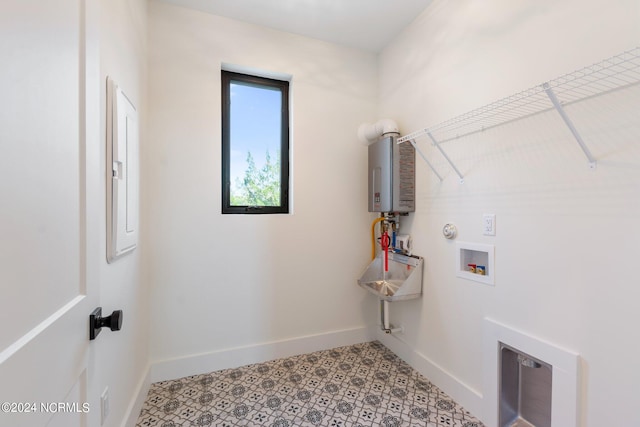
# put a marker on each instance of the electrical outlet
(104, 405)
(489, 224)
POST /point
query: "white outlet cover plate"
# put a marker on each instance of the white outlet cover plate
(489, 224)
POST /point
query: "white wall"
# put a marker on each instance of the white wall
(566, 243)
(224, 281)
(121, 358)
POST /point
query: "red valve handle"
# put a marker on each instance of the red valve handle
(385, 241)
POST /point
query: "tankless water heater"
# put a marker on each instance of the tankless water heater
(392, 175)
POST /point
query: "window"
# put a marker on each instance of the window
(255, 144)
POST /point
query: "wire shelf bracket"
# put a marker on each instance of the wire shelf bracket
(615, 73)
(419, 151)
(453, 166)
(569, 123)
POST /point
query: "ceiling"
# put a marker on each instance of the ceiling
(362, 24)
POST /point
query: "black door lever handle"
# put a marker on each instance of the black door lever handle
(97, 322)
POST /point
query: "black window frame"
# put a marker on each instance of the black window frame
(227, 77)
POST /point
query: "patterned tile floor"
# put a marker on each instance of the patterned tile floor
(363, 385)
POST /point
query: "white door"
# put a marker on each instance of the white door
(48, 140)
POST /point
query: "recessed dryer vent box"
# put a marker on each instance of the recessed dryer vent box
(475, 254)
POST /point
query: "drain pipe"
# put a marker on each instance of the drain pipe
(384, 319)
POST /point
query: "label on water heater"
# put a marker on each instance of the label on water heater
(406, 184)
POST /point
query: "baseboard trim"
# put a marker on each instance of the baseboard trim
(133, 411)
(462, 393)
(234, 357)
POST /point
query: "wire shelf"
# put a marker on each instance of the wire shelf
(612, 74)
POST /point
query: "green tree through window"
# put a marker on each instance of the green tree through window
(258, 187)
